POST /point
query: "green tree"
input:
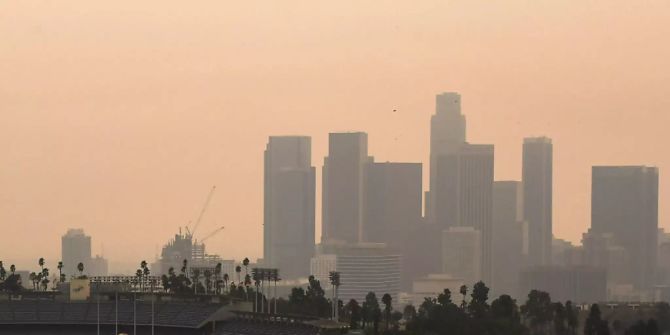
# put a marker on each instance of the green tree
(560, 319)
(594, 324)
(409, 312)
(538, 311)
(571, 315)
(372, 311)
(464, 292)
(352, 311)
(387, 300)
(478, 306)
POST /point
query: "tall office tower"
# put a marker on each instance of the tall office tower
(75, 249)
(289, 200)
(510, 243)
(393, 210)
(447, 133)
(464, 192)
(393, 202)
(624, 202)
(343, 205)
(537, 197)
(462, 254)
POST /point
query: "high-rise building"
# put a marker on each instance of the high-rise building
(447, 133)
(289, 202)
(463, 194)
(537, 198)
(343, 205)
(393, 202)
(624, 202)
(462, 254)
(393, 209)
(509, 247)
(75, 249)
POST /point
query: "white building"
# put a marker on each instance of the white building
(363, 268)
(321, 265)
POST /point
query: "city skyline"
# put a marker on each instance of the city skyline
(109, 153)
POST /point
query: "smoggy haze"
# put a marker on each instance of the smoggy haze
(118, 118)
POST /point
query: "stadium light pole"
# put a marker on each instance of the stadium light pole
(116, 313)
(134, 313)
(152, 314)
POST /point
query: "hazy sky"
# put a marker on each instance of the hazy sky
(118, 117)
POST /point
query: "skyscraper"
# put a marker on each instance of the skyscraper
(510, 243)
(289, 200)
(447, 133)
(75, 249)
(393, 202)
(537, 197)
(624, 202)
(343, 205)
(463, 194)
(393, 211)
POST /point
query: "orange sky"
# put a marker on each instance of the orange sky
(118, 118)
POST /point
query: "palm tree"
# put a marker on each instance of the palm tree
(3, 272)
(245, 262)
(334, 277)
(208, 280)
(45, 278)
(12, 269)
(217, 274)
(60, 271)
(238, 269)
(464, 292)
(226, 278)
(32, 276)
(80, 268)
(184, 267)
(41, 263)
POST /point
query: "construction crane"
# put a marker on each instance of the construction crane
(216, 231)
(202, 212)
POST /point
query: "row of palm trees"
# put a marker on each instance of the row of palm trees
(39, 279)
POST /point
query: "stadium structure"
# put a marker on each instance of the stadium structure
(84, 311)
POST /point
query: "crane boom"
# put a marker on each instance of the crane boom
(203, 210)
(216, 231)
